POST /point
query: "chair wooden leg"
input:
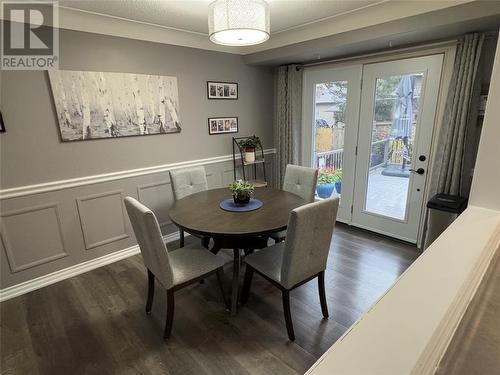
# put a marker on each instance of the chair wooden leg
(288, 316)
(170, 314)
(220, 280)
(322, 295)
(247, 283)
(181, 238)
(151, 292)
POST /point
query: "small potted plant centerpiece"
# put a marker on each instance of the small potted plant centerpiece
(249, 144)
(241, 191)
(338, 182)
(326, 182)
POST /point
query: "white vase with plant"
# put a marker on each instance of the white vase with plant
(249, 144)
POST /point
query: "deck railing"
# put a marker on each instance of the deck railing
(383, 152)
(330, 159)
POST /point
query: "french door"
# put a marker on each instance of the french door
(331, 105)
(374, 122)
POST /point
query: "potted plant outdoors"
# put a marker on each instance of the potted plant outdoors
(338, 182)
(249, 144)
(241, 191)
(326, 182)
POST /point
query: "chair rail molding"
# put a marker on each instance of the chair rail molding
(45, 187)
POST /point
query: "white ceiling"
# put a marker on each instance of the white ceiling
(184, 22)
(192, 15)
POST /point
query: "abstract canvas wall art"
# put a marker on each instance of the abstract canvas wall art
(93, 105)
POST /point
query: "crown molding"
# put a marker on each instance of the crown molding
(372, 14)
(99, 23)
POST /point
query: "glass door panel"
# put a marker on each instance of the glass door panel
(330, 129)
(398, 107)
(329, 132)
(397, 99)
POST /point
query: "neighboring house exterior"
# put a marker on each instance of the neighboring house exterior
(328, 114)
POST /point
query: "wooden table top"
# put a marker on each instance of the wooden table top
(201, 214)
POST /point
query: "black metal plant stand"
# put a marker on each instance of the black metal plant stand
(259, 161)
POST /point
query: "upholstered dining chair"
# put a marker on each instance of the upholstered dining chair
(302, 257)
(300, 181)
(173, 270)
(186, 182)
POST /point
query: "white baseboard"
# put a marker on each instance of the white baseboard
(77, 269)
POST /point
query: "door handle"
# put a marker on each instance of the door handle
(418, 171)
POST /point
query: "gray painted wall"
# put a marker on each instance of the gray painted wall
(31, 149)
(48, 231)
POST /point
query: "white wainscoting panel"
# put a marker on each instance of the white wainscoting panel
(39, 237)
(32, 236)
(159, 198)
(102, 218)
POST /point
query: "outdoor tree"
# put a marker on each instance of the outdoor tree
(338, 90)
(385, 98)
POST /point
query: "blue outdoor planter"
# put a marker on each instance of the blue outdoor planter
(338, 187)
(325, 190)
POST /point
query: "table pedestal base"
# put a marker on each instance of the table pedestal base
(237, 244)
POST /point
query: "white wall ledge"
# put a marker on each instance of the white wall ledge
(408, 329)
(44, 187)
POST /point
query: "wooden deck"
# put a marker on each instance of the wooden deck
(95, 323)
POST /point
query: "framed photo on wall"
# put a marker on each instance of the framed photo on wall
(222, 90)
(222, 125)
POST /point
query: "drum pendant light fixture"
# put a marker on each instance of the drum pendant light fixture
(238, 22)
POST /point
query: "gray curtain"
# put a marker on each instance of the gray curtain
(287, 118)
(457, 117)
(459, 133)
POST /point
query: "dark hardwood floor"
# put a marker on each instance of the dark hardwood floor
(95, 323)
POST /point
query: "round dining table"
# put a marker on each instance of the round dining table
(200, 214)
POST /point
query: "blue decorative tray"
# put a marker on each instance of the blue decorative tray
(229, 205)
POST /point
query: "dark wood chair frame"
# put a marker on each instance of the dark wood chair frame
(285, 294)
(170, 296)
(205, 241)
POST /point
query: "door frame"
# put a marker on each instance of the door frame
(448, 49)
(405, 229)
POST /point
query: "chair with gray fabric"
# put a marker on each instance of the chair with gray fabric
(300, 181)
(186, 182)
(302, 257)
(173, 270)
